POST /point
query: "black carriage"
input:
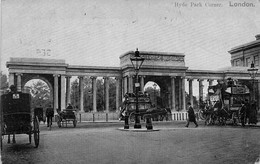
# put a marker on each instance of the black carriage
(65, 117)
(17, 118)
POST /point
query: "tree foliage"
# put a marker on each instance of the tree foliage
(4, 83)
(88, 95)
(40, 93)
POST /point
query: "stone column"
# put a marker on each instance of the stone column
(11, 79)
(183, 93)
(125, 85)
(94, 93)
(62, 94)
(130, 84)
(180, 93)
(106, 79)
(68, 89)
(81, 93)
(200, 89)
(191, 91)
(169, 96)
(56, 94)
(142, 83)
(173, 103)
(118, 92)
(19, 82)
(210, 82)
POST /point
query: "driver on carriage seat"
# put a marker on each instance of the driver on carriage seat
(69, 106)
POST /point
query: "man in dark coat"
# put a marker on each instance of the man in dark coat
(49, 114)
(191, 115)
(247, 114)
(242, 113)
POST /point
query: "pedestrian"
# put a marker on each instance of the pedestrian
(247, 114)
(191, 115)
(49, 115)
(242, 113)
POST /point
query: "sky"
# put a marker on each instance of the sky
(97, 32)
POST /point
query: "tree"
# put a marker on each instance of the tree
(75, 94)
(112, 94)
(153, 93)
(87, 88)
(4, 83)
(100, 95)
(41, 94)
(87, 94)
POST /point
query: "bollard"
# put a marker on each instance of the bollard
(149, 125)
(126, 122)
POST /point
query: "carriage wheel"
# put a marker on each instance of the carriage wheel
(36, 131)
(74, 123)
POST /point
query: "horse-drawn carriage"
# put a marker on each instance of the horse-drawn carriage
(224, 104)
(17, 117)
(67, 116)
(145, 108)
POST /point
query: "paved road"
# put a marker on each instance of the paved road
(93, 143)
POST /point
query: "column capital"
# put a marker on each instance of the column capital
(105, 77)
(210, 80)
(200, 80)
(81, 77)
(56, 75)
(182, 77)
(118, 77)
(68, 76)
(190, 80)
(18, 74)
(93, 77)
(173, 77)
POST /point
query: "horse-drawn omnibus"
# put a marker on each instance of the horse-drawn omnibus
(145, 107)
(224, 103)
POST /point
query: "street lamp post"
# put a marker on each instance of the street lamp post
(252, 72)
(137, 62)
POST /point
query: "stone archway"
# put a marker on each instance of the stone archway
(163, 82)
(45, 78)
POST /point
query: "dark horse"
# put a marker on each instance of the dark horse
(222, 114)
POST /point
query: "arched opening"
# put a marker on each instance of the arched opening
(41, 93)
(153, 90)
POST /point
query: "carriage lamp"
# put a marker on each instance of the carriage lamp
(137, 62)
(252, 72)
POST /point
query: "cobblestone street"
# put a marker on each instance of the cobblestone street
(104, 143)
